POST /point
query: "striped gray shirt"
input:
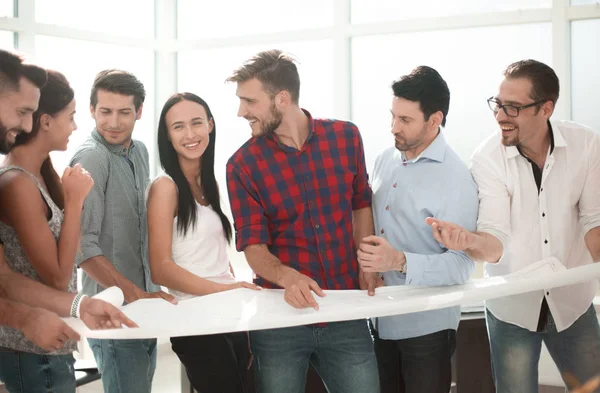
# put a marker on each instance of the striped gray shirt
(113, 222)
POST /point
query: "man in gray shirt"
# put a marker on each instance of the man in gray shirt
(114, 231)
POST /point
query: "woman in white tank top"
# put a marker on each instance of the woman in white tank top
(188, 236)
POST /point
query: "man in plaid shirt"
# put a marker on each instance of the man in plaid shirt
(301, 201)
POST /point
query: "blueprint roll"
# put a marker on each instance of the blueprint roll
(112, 295)
(243, 309)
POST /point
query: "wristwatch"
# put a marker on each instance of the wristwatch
(76, 305)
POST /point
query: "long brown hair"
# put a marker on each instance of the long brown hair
(54, 97)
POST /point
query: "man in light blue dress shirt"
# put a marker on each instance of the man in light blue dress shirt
(420, 177)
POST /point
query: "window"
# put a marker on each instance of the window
(7, 8)
(368, 11)
(584, 70)
(469, 61)
(80, 61)
(134, 18)
(7, 40)
(226, 18)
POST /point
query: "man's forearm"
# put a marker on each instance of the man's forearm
(24, 290)
(13, 314)
(362, 224)
(266, 265)
(101, 270)
(487, 248)
(592, 241)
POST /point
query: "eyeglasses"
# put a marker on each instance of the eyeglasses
(510, 110)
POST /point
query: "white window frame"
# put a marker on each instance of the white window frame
(166, 45)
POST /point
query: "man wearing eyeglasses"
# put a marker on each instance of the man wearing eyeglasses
(539, 193)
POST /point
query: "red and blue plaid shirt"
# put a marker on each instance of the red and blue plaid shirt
(300, 202)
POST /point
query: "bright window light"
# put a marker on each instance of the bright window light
(467, 59)
(226, 18)
(133, 18)
(368, 11)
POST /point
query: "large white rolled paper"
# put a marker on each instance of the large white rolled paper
(112, 295)
(245, 309)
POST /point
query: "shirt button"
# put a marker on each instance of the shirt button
(395, 185)
(542, 189)
(548, 293)
(546, 241)
(317, 226)
(543, 214)
(404, 164)
(387, 207)
(382, 231)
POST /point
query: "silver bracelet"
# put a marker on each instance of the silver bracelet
(76, 305)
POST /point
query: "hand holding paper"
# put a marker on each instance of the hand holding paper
(298, 289)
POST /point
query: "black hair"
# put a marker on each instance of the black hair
(427, 87)
(186, 204)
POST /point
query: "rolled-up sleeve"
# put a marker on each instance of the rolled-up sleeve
(250, 222)
(589, 202)
(450, 267)
(362, 195)
(494, 199)
(93, 207)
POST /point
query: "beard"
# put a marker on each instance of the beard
(273, 122)
(5, 144)
(512, 139)
(403, 144)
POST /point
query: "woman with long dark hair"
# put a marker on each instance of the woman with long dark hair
(188, 235)
(41, 239)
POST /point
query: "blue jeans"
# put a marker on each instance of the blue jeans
(340, 352)
(516, 351)
(24, 372)
(127, 366)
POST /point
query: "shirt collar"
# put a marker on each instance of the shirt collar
(556, 140)
(116, 149)
(436, 151)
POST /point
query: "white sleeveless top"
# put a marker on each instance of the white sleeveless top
(203, 249)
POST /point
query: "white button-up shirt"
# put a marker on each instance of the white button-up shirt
(533, 225)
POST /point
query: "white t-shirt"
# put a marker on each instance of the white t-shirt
(534, 226)
(203, 249)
